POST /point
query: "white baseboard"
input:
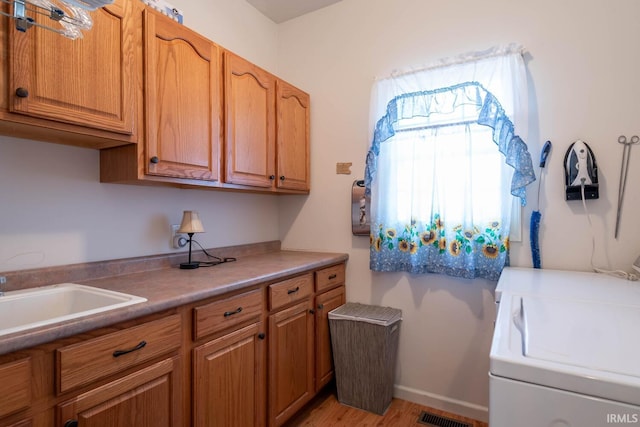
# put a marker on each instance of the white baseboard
(454, 406)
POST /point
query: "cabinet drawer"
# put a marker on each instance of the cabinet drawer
(82, 363)
(290, 290)
(15, 386)
(329, 277)
(223, 314)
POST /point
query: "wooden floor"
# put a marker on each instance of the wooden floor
(326, 411)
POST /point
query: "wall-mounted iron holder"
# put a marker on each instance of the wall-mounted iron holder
(580, 170)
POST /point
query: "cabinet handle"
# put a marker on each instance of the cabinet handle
(231, 313)
(281, 177)
(312, 311)
(119, 353)
(293, 291)
(272, 177)
(22, 92)
(71, 423)
(155, 160)
(333, 276)
(261, 336)
(320, 306)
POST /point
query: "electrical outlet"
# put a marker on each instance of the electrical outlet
(178, 240)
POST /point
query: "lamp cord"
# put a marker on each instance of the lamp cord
(217, 260)
(615, 273)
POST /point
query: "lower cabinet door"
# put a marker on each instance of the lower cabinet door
(290, 361)
(150, 397)
(229, 380)
(325, 302)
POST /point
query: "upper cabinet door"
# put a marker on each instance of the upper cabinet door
(183, 100)
(250, 123)
(88, 81)
(292, 137)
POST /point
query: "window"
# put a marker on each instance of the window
(444, 167)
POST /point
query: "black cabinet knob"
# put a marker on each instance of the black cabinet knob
(22, 92)
(320, 306)
(71, 423)
(261, 336)
(281, 177)
(155, 160)
(312, 312)
(272, 177)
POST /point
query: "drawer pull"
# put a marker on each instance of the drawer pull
(293, 291)
(231, 313)
(119, 353)
(333, 276)
(261, 336)
(320, 306)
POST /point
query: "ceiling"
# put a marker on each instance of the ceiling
(283, 10)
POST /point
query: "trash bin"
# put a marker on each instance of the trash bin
(364, 341)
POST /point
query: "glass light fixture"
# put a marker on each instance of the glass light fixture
(190, 224)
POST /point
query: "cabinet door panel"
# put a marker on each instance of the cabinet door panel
(291, 361)
(149, 397)
(292, 138)
(324, 360)
(250, 120)
(183, 100)
(15, 386)
(229, 380)
(88, 81)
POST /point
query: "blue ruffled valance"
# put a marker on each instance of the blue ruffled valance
(446, 100)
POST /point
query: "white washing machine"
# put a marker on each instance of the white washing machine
(565, 350)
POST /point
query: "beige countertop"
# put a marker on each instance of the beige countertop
(172, 287)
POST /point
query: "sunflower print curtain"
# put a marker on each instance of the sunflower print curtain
(443, 171)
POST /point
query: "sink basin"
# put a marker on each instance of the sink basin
(31, 308)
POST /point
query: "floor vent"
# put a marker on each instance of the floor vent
(439, 421)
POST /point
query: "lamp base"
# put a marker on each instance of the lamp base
(189, 265)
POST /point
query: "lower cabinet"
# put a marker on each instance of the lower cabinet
(252, 357)
(291, 357)
(148, 397)
(229, 380)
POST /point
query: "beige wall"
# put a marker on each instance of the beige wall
(54, 210)
(583, 61)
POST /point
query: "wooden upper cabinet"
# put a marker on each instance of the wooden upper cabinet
(88, 82)
(183, 100)
(250, 123)
(292, 137)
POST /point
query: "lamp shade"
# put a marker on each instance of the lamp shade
(191, 223)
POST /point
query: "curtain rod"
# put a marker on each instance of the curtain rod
(460, 59)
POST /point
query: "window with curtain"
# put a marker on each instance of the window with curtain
(445, 164)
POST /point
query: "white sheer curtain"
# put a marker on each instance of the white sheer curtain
(445, 163)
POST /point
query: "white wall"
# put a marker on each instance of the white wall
(583, 61)
(54, 210)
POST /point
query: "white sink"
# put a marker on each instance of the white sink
(32, 308)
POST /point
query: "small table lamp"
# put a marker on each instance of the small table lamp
(190, 224)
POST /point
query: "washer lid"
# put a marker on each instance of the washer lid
(596, 336)
(584, 346)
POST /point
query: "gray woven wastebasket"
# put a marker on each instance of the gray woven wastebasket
(364, 341)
